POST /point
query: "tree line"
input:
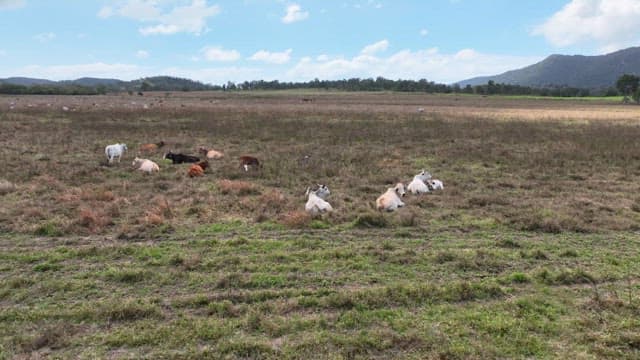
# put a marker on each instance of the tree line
(54, 89)
(422, 85)
(626, 85)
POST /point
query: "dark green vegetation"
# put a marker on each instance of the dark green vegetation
(531, 251)
(577, 71)
(94, 86)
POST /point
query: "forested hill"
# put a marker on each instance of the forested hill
(25, 85)
(586, 72)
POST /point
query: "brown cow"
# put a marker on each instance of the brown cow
(249, 161)
(151, 147)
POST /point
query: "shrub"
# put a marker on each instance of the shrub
(519, 277)
(50, 228)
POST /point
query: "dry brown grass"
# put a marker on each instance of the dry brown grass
(541, 165)
(6, 187)
(237, 187)
(296, 219)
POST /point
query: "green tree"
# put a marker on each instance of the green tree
(627, 84)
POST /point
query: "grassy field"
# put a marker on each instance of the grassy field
(531, 251)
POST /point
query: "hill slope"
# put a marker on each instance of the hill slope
(570, 70)
(158, 83)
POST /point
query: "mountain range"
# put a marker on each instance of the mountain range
(160, 83)
(587, 72)
(576, 71)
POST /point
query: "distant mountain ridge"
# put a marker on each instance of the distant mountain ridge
(158, 83)
(589, 72)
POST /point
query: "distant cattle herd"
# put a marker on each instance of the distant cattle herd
(316, 197)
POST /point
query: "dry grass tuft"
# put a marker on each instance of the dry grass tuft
(237, 187)
(93, 219)
(6, 187)
(296, 219)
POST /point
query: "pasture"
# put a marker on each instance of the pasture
(531, 250)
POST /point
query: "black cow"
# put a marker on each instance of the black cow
(181, 158)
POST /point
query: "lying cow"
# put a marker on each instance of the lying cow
(181, 158)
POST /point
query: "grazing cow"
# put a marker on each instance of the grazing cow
(390, 200)
(210, 153)
(435, 184)
(115, 151)
(181, 158)
(145, 165)
(418, 185)
(151, 147)
(198, 169)
(249, 161)
(315, 204)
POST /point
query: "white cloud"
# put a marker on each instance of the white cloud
(272, 57)
(44, 37)
(612, 24)
(142, 54)
(219, 54)
(161, 29)
(408, 64)
(294, 13)
(143, 10)
(106, 12)
(220, 75)
(165, 19)
(466, 55)
(374, 48)
(12, 4)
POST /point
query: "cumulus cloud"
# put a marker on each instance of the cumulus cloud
(375, 47)
(611, 24)
(294, 13)
(11, 4)
(142, 54)
(45, 37)
(165, 20)
(220, 75)
(272, 57)
(408, 64)
(217, 53)
(160, 29)
(106, 12)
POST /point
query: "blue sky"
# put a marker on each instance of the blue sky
(219, 41)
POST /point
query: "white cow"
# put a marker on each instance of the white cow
(390, 200)
(145, 165)
(322, 191)
(435, 184)
(210, 153)
(315, 204)
(418, 185)
(115, 151)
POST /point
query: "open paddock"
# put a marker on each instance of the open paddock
(531, 250)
